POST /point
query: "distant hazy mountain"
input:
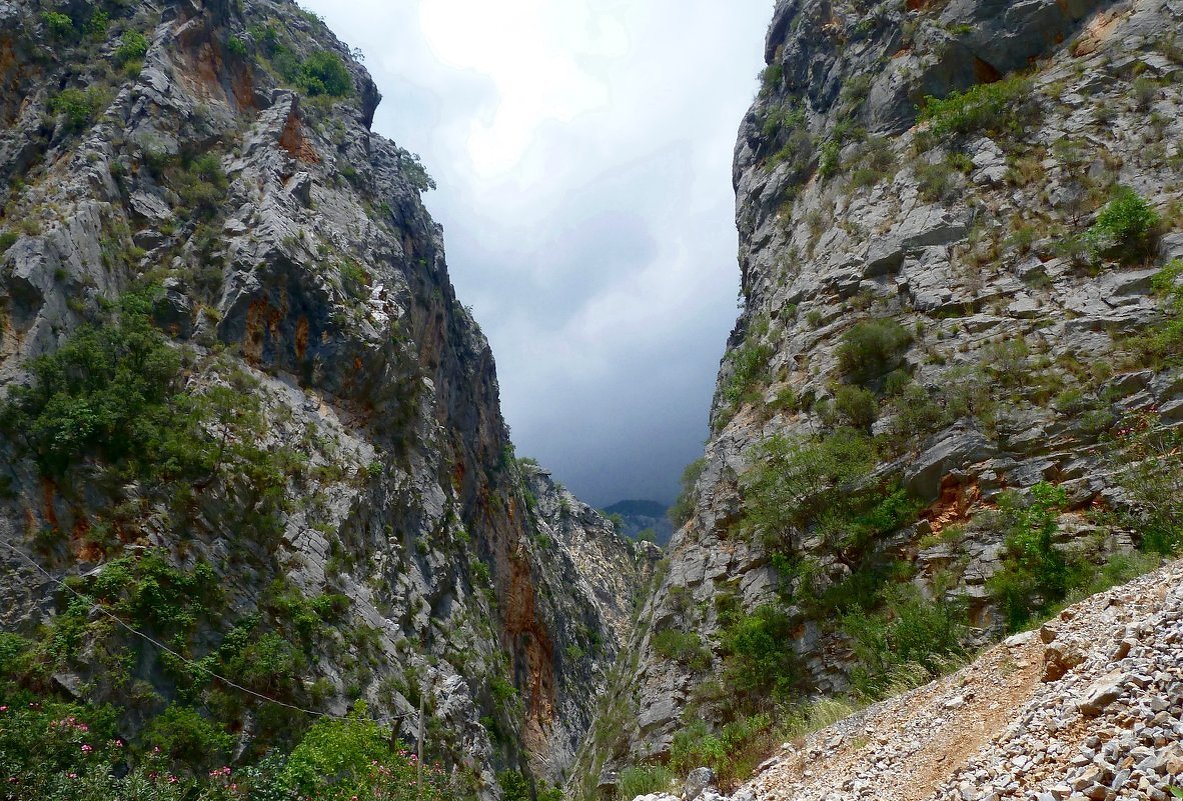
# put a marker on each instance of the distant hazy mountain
(638, 516)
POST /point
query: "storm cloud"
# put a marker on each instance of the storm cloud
(582, 150)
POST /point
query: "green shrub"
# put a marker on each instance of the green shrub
(110, 391)
(190, 740)
(96, 26)
(60, 25)
(199, 180)
(758, 661)
(909, 630)
(1125, 228)
(354, 757)
(1007, 362)
(1035, 575)
(1146, 91)
(502, 690)
(916, 413)
(871, 348)
(858, 406)
(514, 785)
(936, 181)
(133, 46)
(830, 162)
(683, 647)
(821, 484)
(999, 107)
(1161, 345)
(324, 73)
(1150, 469)
(77, 106)
(695, 746)
(683, 508)
(749, 371)
(236, 47)
(770, 78)
(638, 780)
(7, 240)
(354, 279)
(732, 753)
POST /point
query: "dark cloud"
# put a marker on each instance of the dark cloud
(583, 150)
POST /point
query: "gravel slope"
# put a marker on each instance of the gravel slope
(1088, 707)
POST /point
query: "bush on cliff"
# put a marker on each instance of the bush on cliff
(871, 348)
(1001, 107)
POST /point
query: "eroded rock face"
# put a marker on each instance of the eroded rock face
(301, 269)
(845, 214)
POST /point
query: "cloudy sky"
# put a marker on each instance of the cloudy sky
(582, 150)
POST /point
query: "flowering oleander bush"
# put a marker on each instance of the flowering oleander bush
(54, 751)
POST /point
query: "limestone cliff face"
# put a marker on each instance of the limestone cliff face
(221, 152)
(968, 235)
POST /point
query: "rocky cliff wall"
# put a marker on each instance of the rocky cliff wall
(320, 429)
(937, 309)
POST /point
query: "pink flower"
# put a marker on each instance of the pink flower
(86, 749)
(3, 709)
(118, 743)
(172, 779)
(72, 775)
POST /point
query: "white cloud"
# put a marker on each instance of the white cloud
(583, 152)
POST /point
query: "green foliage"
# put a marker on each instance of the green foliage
(514, 785)
(732, 752)
(829, 161)
(936, 182)
(133, 46)
(340, 759)
(638, 780)
(1150, 465)
(1000, 107)
(1007, 362)
(1125, 228)
(770, 78)
(785, 128)
(236, 47)
(191, 741)
(749, 370)
(502, 690)
(1161, 345)
(683, 647)
(695, 746)
(60, 25)
(821, 484)
(324, 73)
(77, 106)
(411, 167)
(908, 630)
(871, 348)
(857, 406)
(682, 509)
(354, 279)
(111, 392)
(758, 662)
(96, 26)
(1035, 575)
(7, 240)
